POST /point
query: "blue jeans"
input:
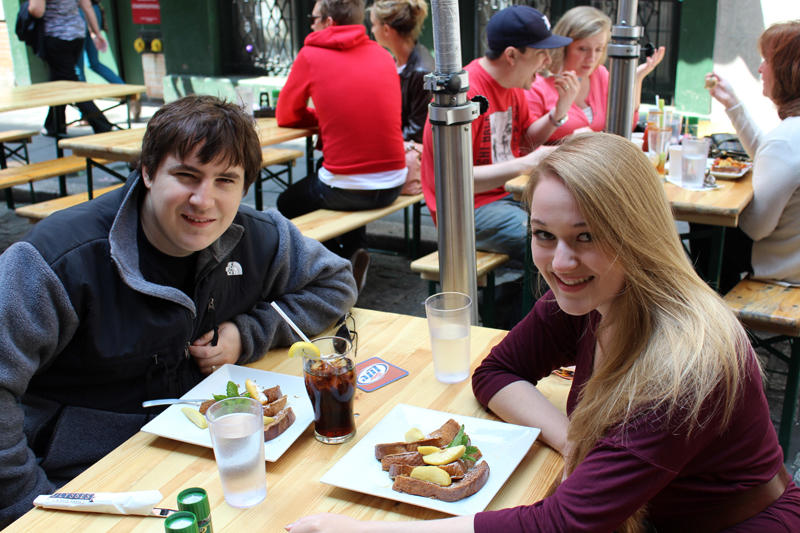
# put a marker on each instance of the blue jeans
(501, 227)
(94, 59)
(310, 194)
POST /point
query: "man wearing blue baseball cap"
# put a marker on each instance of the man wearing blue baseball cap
(519, 40)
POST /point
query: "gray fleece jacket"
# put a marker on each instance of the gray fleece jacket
(84, 338)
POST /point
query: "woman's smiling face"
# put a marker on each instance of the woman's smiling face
(583, 278)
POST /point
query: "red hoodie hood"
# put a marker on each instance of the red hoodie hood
(338, 37)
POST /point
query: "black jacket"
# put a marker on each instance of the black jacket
(415, 97)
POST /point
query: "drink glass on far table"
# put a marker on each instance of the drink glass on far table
(449, 326)
(331, 386)
(693, 162)
(657, 148)
(237, 435)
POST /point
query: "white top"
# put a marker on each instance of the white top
(364, 182)
(772, 219)
(589, 114)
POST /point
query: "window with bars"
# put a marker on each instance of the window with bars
(263, 36)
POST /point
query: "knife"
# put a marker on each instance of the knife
(162, 513)
(170, 401)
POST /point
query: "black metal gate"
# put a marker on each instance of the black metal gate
(263, 36)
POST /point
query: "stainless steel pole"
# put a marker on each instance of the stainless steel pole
(451, 115)
(623, 54)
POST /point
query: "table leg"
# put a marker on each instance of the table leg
(790, 397)
(715, 257)
(89, 184)
(309, 155)
(62, 180)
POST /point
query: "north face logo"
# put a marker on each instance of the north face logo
(234, 269)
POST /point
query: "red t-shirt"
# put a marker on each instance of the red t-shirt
(496, 135)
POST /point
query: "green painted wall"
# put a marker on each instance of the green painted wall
(191, 35)
(695, 55)
(27, 67)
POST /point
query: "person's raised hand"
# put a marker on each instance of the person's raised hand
(324, 523)
(568, 85)
(227, 351)
(721, 90)
(650, 64)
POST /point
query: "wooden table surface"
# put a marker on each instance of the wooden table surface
(147, 462)
(123, 145)
(54, 93)
(718, 207)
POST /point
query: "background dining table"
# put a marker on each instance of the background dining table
(125, 145)
(148, 462)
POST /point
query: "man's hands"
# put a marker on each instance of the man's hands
(227, 351)
(722, 90)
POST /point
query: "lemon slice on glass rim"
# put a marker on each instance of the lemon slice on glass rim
(304, 348)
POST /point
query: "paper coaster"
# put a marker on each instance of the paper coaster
(374, 373)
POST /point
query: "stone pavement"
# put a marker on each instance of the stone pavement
(391, 286)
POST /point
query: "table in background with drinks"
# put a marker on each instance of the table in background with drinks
(148, 462)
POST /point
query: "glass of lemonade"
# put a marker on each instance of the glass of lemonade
(331, 385)
(449, 325)
(237, 435)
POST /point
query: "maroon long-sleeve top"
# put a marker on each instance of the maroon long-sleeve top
(644, 462)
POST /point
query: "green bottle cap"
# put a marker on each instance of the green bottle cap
(181, 522)
(195, 500)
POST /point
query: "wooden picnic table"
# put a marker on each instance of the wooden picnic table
(147, 462)
(124, 145)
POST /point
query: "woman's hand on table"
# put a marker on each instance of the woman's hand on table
(227, 351)
(722, 90)
(334, 523)
(650, 64)
(325, 522)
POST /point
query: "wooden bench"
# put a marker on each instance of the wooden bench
(21, 137)
(272, 157)
(773, 308)
(36, 212)
(10, 177)
(487, 262)
(325, 224)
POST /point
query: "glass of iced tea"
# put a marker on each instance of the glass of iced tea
(331, 386)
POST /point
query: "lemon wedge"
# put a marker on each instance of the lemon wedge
(195, 416)
(306, 348)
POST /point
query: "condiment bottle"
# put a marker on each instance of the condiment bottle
(195, 501)
(181, 522)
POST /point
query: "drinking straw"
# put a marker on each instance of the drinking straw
(289, 321)
(661, 116)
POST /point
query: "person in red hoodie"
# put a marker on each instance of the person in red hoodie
(355, 89)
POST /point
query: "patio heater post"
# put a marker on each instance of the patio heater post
(451, 115)
(623, 54)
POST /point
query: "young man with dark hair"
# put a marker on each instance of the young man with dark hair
(142, 292)
(355, 88)
(519, 38)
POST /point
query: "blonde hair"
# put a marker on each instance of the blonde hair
(579, 23)
(668, 340)
(406, 17)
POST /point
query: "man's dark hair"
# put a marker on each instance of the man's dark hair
(493, 55)
(222, 130)
(343, 12)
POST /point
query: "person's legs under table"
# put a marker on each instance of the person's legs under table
(501, 227)
(737, 249)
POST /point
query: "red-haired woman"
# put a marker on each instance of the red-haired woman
(767, 243)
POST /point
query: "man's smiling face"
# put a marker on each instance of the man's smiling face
(189, 204)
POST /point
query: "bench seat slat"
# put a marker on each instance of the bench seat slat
(325, 224)
(279, 156)
(17, 135)
(766, 307)
(10, 177)
(36, 212)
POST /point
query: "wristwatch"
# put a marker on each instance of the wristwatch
(557, 123)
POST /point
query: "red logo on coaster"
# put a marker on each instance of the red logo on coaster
(374, 373)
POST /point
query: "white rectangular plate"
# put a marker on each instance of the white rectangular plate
(732, 175)
(173, 424)
(503, 447)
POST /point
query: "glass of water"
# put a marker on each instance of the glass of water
(237, 435)
(449, 322)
